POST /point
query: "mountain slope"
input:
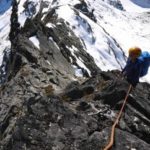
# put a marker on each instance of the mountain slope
(54, 94)
(5, 13)
(107, 31)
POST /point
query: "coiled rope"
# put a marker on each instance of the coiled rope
(110, 144)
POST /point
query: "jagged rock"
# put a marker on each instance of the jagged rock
(83, 106)
(123, 140)
(89, 89)
(46, 122)
(44, 106)
(78, 92)
(75, 93)
(84, 8)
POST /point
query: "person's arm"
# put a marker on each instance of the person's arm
(136, 74)
(125, 69)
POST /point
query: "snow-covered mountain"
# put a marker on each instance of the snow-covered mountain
(113, 27)
(5, 13)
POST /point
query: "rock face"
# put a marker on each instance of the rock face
(79, 117)
(44, 106)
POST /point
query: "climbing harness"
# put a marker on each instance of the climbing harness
(110, 144)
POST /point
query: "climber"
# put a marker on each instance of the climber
(137, 65)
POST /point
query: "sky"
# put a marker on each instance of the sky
(127, 28)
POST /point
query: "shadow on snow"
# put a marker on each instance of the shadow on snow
(142, 3)
(5, 5)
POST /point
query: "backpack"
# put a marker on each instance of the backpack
(145, 59)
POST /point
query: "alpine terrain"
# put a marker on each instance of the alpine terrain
(61, 86)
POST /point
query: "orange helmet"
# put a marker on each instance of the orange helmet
(134, 52)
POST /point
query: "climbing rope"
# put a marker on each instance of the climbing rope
(110, 144)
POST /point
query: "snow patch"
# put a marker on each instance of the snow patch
(35, 41)
(31, 10)
(78, 72)
(96, 40)
(51, 39)
(4, 30)
(50, 25)
(79, 61)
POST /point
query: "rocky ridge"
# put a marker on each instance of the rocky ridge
(44, 106)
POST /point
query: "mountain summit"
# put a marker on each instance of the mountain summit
(60, 82)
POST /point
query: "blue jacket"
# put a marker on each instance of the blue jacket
(134, 70)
